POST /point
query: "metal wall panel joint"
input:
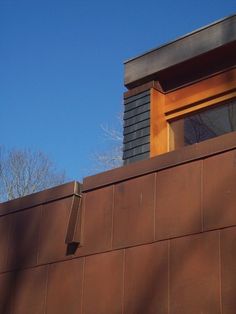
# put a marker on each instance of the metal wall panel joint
(73, 235)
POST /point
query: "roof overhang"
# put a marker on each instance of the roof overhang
(191, 46)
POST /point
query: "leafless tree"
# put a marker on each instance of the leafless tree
(23, 172)
(112, 156)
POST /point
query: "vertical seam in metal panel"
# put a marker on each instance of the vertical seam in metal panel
(220, 273)
(46, 290)
(168, 274)
(12, 293)
(155, 198)
(112, 214)
(123, 290)
(11, 224)
(82, 290)
(202, 196)
(39, 235)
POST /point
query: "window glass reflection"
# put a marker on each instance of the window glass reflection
(203, 125)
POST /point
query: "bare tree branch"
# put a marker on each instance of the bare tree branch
(23, 172)
(112, 157)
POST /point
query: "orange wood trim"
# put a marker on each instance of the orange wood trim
(202, 91)
(200, 106)
(176, 135)
(159, 125)
(178, 103)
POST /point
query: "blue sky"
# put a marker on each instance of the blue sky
(61, 67)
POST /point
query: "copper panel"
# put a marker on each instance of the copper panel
(6, 288)
(213, 146)
(5, 224)
(30, 291)
(97, 221)
(228, 270)
(48, 195)
(53, 229)
(178, 201)
(194, 274)
(65, 287)
(24, 237)
(146, 279)
(134, 211)
(220, 191)
(103, 283)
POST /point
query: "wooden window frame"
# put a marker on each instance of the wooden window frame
(166, 107)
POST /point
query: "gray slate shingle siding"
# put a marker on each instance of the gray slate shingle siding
(136, 127)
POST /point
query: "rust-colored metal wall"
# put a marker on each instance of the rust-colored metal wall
(157, 237)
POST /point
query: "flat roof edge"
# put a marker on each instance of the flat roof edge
(184, 155)
(180, 38)
(39, 198)
(191, 46)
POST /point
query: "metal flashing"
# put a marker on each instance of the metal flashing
(199, 42)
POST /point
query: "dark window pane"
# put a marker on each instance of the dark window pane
(203, 125)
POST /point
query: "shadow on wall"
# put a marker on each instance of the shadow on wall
(32, 237)
(169, 275)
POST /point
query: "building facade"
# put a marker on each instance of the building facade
(156, 236)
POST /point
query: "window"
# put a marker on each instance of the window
(193, 113)
(203, 125)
